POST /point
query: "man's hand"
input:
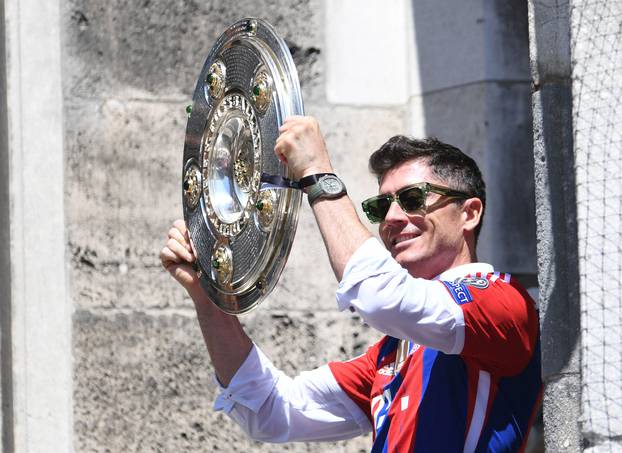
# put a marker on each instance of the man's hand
(177, 257)
(301, 147)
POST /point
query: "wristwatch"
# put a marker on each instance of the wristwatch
(327, 185)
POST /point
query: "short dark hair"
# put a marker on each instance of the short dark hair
(447, 162)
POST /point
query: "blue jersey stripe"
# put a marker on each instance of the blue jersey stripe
(444, 403)
(387, 348)
(429, 356)
(382, 431)
(382, 437)
(512, 409)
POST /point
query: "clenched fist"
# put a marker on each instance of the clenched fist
(301, 147)
(177, 257)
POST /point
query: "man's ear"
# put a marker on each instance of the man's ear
(472, 210)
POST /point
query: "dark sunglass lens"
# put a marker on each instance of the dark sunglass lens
(412, 199)
(377, 208)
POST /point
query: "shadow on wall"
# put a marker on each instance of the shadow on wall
(475, 93)
(6, 359)
(559, 271)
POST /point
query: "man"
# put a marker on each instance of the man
(458, 369)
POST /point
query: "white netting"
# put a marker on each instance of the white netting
(596, 33)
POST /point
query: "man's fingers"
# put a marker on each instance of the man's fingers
(300, 146)
(181, 226)
(285, 139)
(180, 232)
(280, 155)
(180, 250)
(292, 119)
(177, 256)
(279, 149)
(177, 235)
(297, 120)
(168, 257)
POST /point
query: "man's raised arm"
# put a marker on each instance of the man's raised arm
(301, 146)
(227, 343)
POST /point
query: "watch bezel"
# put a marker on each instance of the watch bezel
(324, 182)
(318, 190)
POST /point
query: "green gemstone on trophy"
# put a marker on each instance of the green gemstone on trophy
(210, 78)
(257, 89)
(189, 109)
(216, 264)
(259, 205)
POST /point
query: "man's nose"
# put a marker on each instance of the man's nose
(395, 214)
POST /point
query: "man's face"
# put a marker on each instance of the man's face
(431, 240)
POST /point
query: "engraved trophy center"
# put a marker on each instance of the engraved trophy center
(231, 163)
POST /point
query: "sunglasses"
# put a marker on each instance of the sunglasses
(410, 198)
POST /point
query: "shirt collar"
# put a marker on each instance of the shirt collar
(465, 269)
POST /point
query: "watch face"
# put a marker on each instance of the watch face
(331, 184)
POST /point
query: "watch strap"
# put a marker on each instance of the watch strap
(313, 179)
(281, 181)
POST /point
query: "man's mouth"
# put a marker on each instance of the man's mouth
(403, 237)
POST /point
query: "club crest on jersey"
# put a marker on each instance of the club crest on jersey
(458, 291)
(475, 282)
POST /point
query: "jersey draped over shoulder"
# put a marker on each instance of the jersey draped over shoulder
(479, 394)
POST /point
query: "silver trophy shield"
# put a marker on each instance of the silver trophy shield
(241, 227)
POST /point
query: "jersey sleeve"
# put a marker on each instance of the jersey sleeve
(500, 322)
(356, 376)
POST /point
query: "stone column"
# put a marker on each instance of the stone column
(35, 326)
(557, 228)
(6, 410)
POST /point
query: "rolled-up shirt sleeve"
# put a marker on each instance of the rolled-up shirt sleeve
(271, 407)
(397, 304)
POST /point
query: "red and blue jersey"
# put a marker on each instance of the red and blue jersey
(482, 399)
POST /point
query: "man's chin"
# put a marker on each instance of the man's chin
(407, 261)
(416, 266)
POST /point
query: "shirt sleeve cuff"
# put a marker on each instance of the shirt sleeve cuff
(251, 385)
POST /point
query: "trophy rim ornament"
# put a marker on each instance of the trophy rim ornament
(241, 227)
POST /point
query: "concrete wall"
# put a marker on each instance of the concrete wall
(474, 92)
(142, 377)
